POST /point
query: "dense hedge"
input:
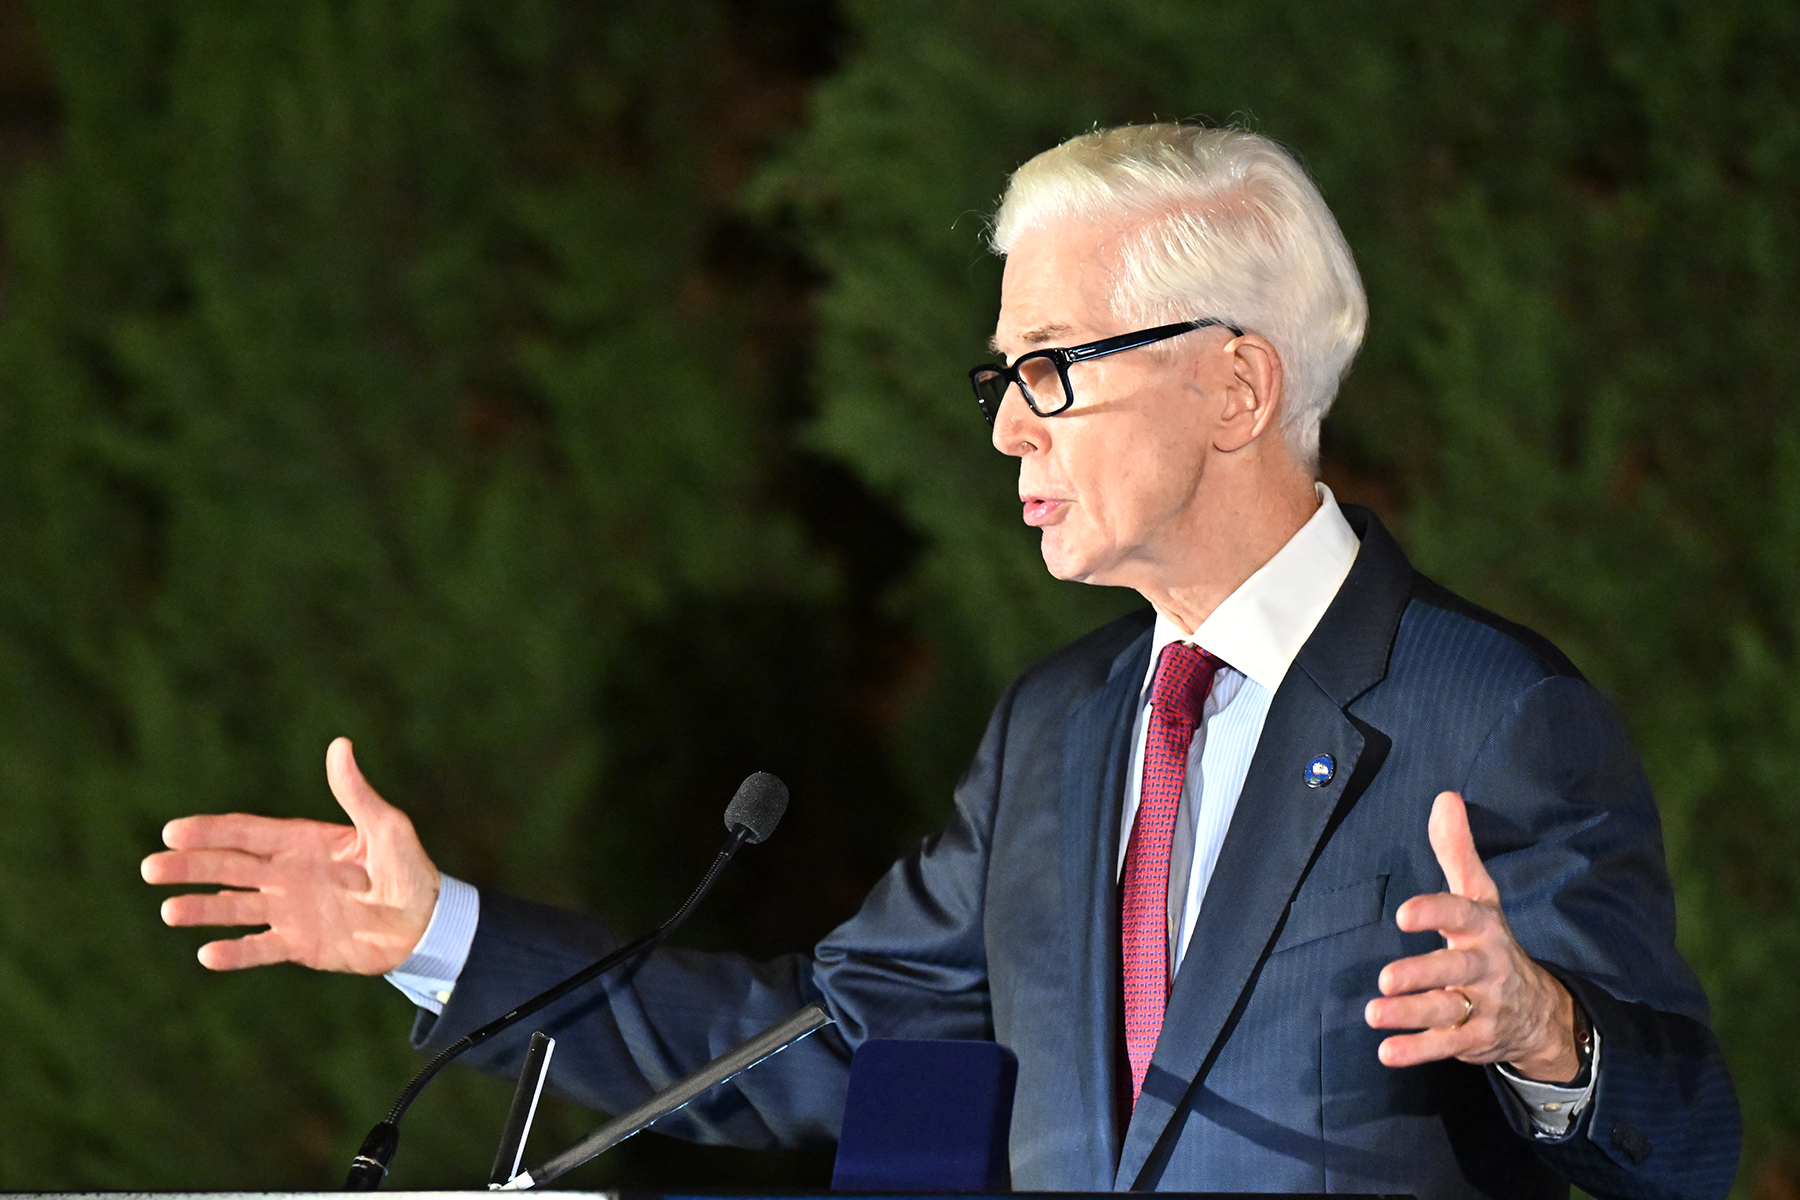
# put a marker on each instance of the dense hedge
(391, 370)
(566, 401)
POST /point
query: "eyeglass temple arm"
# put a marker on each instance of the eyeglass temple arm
(1143, 337)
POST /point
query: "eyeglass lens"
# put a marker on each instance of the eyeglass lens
(1042, 382)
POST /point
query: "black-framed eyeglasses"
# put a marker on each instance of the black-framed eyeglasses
(1043, 375)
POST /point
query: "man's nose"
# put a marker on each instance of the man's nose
(1017, 430)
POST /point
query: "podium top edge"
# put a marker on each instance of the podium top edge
(695, 1194)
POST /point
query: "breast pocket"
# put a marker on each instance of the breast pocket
(1315, 915)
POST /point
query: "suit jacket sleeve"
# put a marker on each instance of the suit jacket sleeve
(1564, 818)
(909, 964)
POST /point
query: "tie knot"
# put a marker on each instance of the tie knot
(1184, 675)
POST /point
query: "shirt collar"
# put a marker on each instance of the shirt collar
(1260, 627)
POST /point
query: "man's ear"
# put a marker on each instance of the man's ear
(1252, 393)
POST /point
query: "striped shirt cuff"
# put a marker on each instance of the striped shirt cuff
(1553, 1109)
(429, 973)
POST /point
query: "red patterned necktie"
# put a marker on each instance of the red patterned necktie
(1184, 675)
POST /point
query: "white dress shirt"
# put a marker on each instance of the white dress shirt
(1256, 632)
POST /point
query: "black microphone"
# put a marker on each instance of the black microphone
(750, 818)
(756, 809)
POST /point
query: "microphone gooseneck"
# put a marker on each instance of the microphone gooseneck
(758, 805)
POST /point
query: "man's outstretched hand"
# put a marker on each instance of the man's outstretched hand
(1517, 1013)
(351, 897)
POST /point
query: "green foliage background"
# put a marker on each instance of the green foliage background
(565, 401)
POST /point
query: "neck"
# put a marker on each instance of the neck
(1241, 532)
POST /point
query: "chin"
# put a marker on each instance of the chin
(1064, 563)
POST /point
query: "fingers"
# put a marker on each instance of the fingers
(256, 950)
(334, 897)
(1445, 968)
(216, 908)
(1477, 999)
(1454, 846)
(1450, 1022)
(360, 802)
(1411, 1049)
(1445, 913)
(231, 868)
(234, 831)
(1440, 1008)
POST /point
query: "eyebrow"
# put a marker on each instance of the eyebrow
(1042, 335)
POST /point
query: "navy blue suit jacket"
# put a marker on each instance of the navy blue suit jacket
(1005, 925)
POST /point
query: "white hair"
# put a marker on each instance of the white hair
(1219, 223)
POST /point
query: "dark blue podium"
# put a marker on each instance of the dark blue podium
(925, 1117)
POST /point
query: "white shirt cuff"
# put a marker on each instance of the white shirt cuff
(1553, 1109)
(429, 973)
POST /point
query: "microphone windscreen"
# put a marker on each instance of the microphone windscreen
(757, 807)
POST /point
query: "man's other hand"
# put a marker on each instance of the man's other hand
(351, 897)
(1515, 1012)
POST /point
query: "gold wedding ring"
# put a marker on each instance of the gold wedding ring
(1468, 1007)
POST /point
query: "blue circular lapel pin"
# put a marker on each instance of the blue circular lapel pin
(1319, 771)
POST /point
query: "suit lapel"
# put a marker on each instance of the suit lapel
(1275, 834)
(1095, 757)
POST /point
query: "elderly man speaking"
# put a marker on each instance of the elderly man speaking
(1311, 876)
